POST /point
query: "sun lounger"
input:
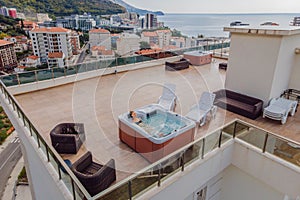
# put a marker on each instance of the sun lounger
(168, 98)
(198, 112)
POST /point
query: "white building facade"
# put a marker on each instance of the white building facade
(51, 39)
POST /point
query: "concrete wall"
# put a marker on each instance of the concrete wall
(294, 79)
(183, 185)
(43, 180)
(252, 62)
(283, 177)
(238, 185)
(29, 87)
(285, 64)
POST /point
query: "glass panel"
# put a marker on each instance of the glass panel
(211, 142)
(27, 77)
(10, 80)
(58, 72)
(194, 152)
(285, 150)
(254, 136)
(239, 128)
(44, 74)
(43, 147)
(66, 179)
(70, 71)
(53, 161)
(121, 61)
(90, 66)
(111, 63)
(171, 165)
(120, 193)
(81, 68)
(78, 193)
(144, 180)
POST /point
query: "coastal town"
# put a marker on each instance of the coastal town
(41, 42)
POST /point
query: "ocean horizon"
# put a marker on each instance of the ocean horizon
(211, 25)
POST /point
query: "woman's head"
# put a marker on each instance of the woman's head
(132, 114)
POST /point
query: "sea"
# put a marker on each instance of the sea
(211, 25)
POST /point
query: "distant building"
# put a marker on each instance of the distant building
(114, 38)
(115, 19)
(56, 59)
(100, 37)
(150, 37)
(164, 37)
(4, 11)
(12, 12)
(42, 17)
(75, 42)
(150, 21)
(21, 15)
(79, 22)
(30, 61)
(128, 43)
(101, 52)
(8, 58)
(296, 21)
(28, 25)
(179, 42)
(49, 40)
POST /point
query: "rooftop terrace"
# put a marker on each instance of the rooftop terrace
(98, 102)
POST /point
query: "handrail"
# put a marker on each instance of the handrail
(33, 76)
(59, 161)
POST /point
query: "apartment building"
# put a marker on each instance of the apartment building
(100, 37)
(51, 39)
(150, 21)
(150, 37)
(8, 58)
(56, 59)
(74, 37)
(128, 43)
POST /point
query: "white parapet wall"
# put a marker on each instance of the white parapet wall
(235, 171)
(262, 61)
(34, 86)
(43, 180)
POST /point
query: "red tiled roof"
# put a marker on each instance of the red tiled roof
(150, 34)
(55, 55)
(148, 51)
(100, 30)
(33, 57)
(51, 29)
(4, 42)
(164, 31)
(98, 48)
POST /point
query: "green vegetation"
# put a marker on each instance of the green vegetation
(5, 126)
(12, 28)
(64, 7)
(177, 33)
(84, 38)
(23, 176)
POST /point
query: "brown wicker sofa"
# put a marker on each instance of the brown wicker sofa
(94, 176)
(239, 103)
(67, 137)
(177, 65)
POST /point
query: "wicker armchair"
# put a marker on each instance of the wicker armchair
(67, 137)
(94, 176)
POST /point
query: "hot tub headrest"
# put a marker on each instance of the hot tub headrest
(151, 113)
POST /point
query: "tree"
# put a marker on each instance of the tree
(144, 45)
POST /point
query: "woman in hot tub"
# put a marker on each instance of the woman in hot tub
(135, 118)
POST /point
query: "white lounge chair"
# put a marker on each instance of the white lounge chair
(279, 109)
(168, 98)
(198, 112)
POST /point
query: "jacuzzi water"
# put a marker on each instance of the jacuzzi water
(161, 124)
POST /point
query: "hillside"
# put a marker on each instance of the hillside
(131, 8)
(64, 7)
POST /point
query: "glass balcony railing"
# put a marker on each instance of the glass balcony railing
(46, 74)
(155, 174)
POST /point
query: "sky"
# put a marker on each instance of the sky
(219, 6)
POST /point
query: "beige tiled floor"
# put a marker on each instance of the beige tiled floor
(99, 101)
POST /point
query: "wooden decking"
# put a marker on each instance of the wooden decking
(99, 101)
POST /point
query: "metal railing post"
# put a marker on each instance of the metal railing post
(220, 139)
(203, 147)
(265, 143)
(129, 190)
(182, 161)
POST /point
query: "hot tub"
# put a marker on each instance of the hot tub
(160, 133)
